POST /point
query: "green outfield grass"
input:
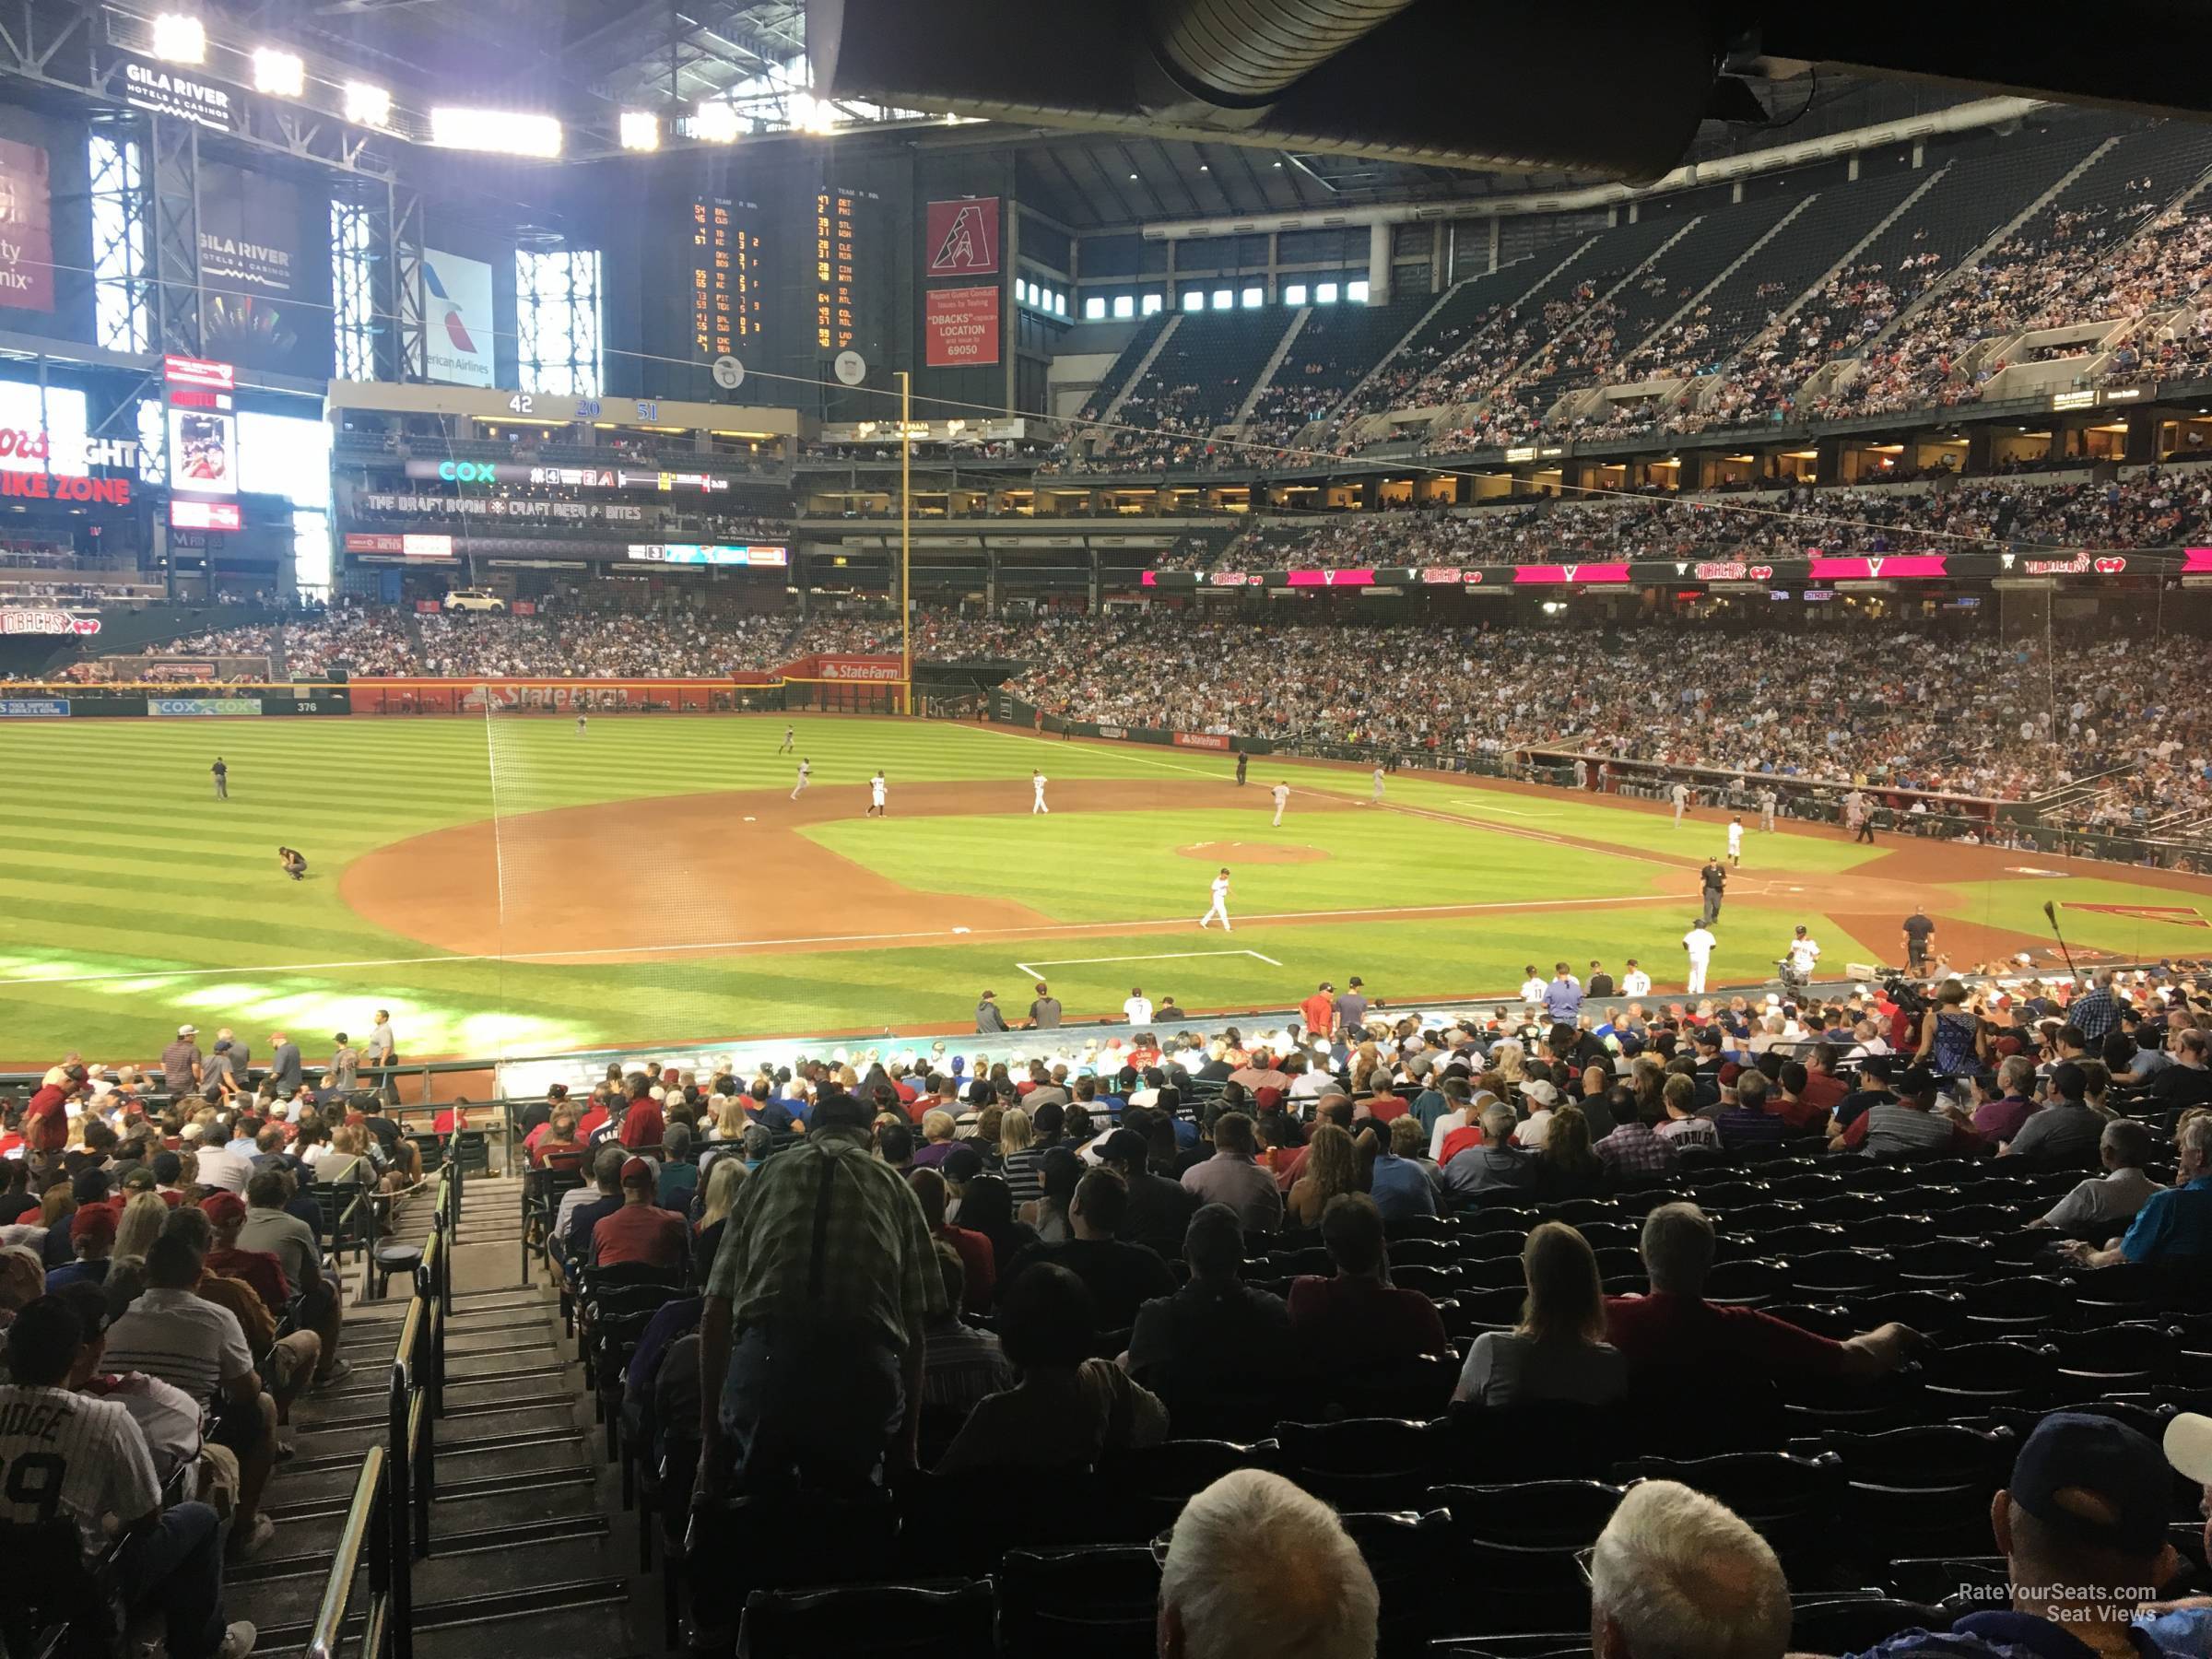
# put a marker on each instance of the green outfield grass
(130, 899)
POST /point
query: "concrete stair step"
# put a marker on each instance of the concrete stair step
(493, 1561)
(463, 1470)
(589, 1615)
(313, 1531)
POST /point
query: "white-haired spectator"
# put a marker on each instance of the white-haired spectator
(1677, 1576)
(1222, 1594)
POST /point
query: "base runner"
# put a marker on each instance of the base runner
(799, 788)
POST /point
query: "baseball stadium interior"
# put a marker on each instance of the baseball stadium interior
(1214, 829)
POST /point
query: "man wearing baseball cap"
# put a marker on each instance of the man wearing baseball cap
(2186, 1627)
(182, 1061)
(640, 1230)
(2082, 1527)
(92, 1233)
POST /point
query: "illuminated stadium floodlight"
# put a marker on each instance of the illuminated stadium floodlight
(716, 124)
(367, 105)
(500, 131)
(279, 74)
(180, 38)
(641, 130)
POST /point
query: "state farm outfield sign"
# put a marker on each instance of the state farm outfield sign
(46, 622)
(857, 668)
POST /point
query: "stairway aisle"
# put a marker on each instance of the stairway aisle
(524, 1544)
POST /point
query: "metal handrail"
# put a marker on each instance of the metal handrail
(362, 1531)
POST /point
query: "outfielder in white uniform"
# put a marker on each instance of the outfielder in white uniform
(1220, 905)
(1037, 784)
(1679, 795)
(1282, 799)
(1735, 842)
(1698, 942)
(788, 745)
(874, 796)
(579, 725)
(799, 788)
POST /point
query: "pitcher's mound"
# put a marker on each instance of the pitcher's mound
(1231, 853)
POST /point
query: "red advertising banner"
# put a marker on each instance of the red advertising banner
(357, 542)
(1566, 575)
(427, 696)
(959, 327)
(1299, 579)
(2195, 559)
(1914, 567)
(963, 236)
(26, 228)
(1205, 740)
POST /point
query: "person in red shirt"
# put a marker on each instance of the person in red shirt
(639, 1231)
(1357, 1318)
(1793, 1104)
(979, 1259)
(556, 1143)
(1319, 1011)
(1673, 1331)
(595, 1113)
(46, 1117)
(1822, 1087)
(642, 1124)
(225, 1213)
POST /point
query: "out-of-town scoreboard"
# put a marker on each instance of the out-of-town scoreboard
(837, 253)
(726, 275)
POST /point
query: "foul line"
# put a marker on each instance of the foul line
(1160, 956)
(945, 935)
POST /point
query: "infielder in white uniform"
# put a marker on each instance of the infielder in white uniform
(874, 796)
(1735, 842)
(1220, 904)
(1377, 797)
(1698, 942)
(1282, 799)
(1679, 795)
(804, 767)
(1037, 784)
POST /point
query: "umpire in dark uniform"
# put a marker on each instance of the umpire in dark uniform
(1714, 878)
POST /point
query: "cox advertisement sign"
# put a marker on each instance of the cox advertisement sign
(187, 706)
(34, 708)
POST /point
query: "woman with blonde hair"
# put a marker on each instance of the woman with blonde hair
(1366, 1061)
(1018, 1159)
(728, 1113)
(55, 1211)
(1559, 1351)
(722, 1182)
(1331, 1167)
(141, 1223)
(1507, 1059)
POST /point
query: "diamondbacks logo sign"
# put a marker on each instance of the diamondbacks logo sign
(2181, 915)
(963, 236)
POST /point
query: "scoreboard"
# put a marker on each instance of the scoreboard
(726, 275)
(836, 264)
